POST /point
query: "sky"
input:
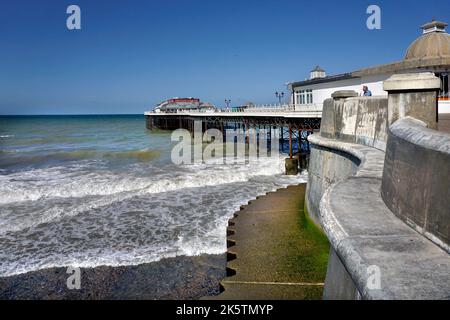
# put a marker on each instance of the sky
(132, 54)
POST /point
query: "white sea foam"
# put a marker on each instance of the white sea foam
(90, 192)
(59, 182)
(99, 218)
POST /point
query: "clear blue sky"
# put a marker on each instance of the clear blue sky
(132, 54)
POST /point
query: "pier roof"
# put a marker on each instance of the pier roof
(337, 77)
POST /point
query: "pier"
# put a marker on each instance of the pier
(293, 125)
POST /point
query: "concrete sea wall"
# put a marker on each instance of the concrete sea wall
(326, 167)
(345, 118)
(416, 178)
(360, 120)
(378, 187)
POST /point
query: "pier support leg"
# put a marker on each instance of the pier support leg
(290, 142)
(291, 166)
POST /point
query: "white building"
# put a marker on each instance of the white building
(430, 52)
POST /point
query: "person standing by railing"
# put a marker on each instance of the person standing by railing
(366, 92)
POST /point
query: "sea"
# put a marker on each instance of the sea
(102, 190)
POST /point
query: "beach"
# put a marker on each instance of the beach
(185, 278)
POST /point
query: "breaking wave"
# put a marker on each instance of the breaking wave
(69, 218)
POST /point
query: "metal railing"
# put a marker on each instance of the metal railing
(270, 108)
(266, 108)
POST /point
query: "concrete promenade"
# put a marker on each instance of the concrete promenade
(274, 250)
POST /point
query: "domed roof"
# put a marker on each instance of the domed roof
(317, 69)
(434, 43)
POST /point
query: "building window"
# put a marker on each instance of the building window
(298, 97)
(304, 97)
(309, 97)
(444, 91)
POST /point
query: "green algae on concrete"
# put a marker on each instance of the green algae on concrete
(275, 251)
(307, 250)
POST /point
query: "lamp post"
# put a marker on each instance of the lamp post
(280, 96)
(227, 102)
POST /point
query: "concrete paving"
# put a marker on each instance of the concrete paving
(275, 251)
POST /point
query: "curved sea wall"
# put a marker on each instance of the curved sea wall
(416, 178)
(376, 251)
(345, 118)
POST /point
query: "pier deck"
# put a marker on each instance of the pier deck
(306, 120)
(271, 114)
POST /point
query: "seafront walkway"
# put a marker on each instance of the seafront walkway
(274, 250)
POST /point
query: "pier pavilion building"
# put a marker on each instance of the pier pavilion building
(175, 105)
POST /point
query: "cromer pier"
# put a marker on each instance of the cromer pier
(294, 126)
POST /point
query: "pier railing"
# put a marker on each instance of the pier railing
(270, 108)
(313, 109)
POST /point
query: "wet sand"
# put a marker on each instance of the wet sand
(171, 279)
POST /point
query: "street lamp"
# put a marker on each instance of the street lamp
(279, 95)
(227, 102)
